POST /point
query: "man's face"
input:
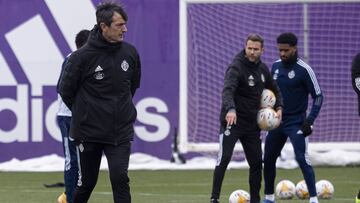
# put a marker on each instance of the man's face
(114, 32)
(286, 51)
(253, 50)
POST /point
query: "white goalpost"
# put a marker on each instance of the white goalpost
(213, 31)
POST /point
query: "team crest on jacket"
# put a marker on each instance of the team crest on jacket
(251, 81)
(99, 74)
(262, 78)
(125, 65)
(227, 131)
(291, 74)
(357, 83)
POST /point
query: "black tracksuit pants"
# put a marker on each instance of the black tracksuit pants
(251, 143)
(89, 158)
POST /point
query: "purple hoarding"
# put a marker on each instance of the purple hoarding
(33, 44)
(36, 35)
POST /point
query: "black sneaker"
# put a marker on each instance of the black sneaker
(214, 201)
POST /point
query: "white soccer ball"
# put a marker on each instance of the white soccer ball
(267, 119)
(302, 191)
(268, 99)
(324, 189)
(239, 196)
(285, 189)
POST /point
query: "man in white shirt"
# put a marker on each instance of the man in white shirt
(71, 169)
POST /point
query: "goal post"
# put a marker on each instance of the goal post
(213, 31)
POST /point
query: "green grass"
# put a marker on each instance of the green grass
(170, 186)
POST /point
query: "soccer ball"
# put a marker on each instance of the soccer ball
(324, 189)
(267, 119)
(268, 99)
(302, 191)
(285, 189)
(239, 196)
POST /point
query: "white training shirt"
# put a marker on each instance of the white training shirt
(63, 109)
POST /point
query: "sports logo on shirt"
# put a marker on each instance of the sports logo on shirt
(99, 75)
(125, 65)
(276, 73)
(81, 147)
(262, 78)
(98, 69)
(251, 81)
(291, 74)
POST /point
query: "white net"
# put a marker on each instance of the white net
(217, 31)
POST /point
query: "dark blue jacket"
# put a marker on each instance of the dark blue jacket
(296, 82)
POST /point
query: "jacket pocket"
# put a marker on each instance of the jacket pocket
(97, 119)
(126, 114)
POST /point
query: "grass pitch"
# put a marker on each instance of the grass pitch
(188, 186)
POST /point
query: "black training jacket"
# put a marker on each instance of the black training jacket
(98, 84)
(243, 84)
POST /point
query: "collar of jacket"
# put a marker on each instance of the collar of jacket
(242, 58)
(96, 39)
(291, 61)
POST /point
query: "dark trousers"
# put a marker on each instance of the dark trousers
(71, 169)
(251, 143)
(274, 143)
(89, 164)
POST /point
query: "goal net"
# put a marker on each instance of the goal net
(212, 32)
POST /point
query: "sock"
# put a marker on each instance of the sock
(270, 197)
(314, 200)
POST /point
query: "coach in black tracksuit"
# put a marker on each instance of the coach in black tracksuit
(244, 82)
(98, 85)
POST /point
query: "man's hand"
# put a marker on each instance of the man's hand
(306, 128)
(279, 113)
(230, 117)
(278, 116)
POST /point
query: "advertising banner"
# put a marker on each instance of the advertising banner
(36, 36)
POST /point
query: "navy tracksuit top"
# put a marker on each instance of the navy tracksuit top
(296, 82)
